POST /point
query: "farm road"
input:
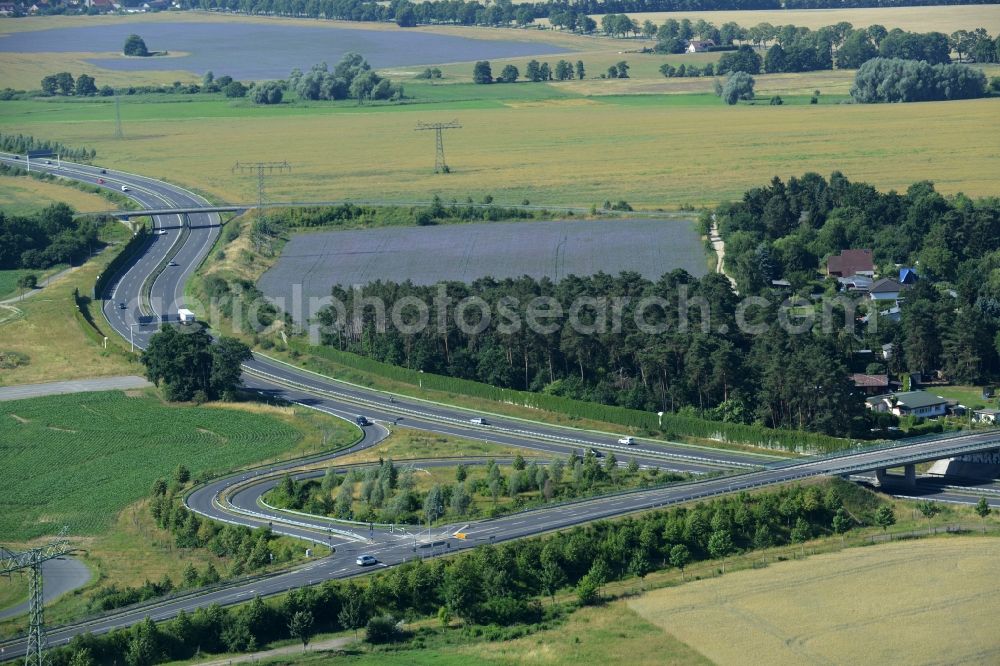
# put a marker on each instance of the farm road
(123, 383)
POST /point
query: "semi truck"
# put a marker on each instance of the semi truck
(185, 316)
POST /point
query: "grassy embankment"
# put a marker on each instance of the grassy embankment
(117, 445)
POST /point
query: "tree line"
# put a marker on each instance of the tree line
(63, 84)
(788, 229)
(684, 364)
(505, 12)
(51, 236)
(498, 585)
(482, 72)
(25, 143)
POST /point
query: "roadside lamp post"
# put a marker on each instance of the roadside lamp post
(421, 379)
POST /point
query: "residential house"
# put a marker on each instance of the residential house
(102, 5)
(7, 8)
(885, 290)
(909, 403)
(871, 384)
(985, 415)
(851, 262)
(699, 45)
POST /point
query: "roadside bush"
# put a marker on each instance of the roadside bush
(383, 629)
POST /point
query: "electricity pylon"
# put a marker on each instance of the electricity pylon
(439, 163)
(261, 169)
(32, 560)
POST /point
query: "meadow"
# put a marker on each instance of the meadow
(117, 445)
(909, 602)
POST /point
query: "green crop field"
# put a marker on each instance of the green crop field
(77, 460)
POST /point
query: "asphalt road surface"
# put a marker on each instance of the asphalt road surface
(346, 400)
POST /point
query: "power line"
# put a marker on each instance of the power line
(119, 134)
(262, 169)
(32, 560)
(439, 163)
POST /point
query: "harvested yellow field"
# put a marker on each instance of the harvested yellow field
(644, 150)
(24, 71)
(926, 602)
(946, 19)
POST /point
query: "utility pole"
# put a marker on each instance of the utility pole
(261, 169)
(119, 134)
(32, 561)
(439, 163)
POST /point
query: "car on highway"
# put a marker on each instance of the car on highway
(172, 263)
(366, 561)
(628, 441)
(596, 453)
(479, 420)
(362, 420)
(100, 181)
(48, 161)
(161, 232)
(122, 306)
(104, 171)
(124, 188)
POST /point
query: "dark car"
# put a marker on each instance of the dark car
(104, 170)
(362, 421)
(122, 306)
(596, 453)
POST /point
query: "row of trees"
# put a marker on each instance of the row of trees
(499, 585)
(505, 12)
(788, 229)
(50, 237)
(894, 80)
(85, 85)
(534, 71)
(24, 143)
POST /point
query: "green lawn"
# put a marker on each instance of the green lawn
(77, 460)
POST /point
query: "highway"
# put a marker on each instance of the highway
(234, 498)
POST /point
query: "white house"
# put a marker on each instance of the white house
(909, 403)
(699, 45)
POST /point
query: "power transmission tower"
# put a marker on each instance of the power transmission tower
(261, 169)
(119, 134)
(439, 163)
(32, 561)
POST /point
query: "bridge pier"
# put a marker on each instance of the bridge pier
(880, 477)
(909, 479)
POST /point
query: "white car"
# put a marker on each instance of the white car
(124, 188)
(366, 561)
(628, 441)
(479, 421)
